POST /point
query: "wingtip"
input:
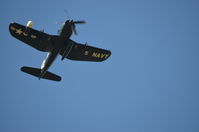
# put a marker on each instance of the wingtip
(110, 53)
(12, 23)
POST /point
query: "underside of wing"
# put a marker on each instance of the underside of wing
(83, 52)
(36, 39)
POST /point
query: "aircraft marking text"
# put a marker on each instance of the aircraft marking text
(99, 55)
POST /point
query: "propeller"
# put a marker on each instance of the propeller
(71, 22)
(79, 22)
(73, 25)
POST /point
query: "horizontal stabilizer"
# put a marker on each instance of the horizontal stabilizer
(36, 72)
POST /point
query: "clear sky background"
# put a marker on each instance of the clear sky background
(149, 84)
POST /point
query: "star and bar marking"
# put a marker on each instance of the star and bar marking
(19, 31)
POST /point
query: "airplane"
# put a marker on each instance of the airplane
(55, 45)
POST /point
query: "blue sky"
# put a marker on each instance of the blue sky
(149, 84)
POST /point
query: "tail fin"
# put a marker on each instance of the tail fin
(36, 72)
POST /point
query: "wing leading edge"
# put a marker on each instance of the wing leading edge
(83, 52)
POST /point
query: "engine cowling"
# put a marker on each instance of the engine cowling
(29, 24)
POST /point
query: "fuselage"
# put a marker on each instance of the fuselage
(57, 44)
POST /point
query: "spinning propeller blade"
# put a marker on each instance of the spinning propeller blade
(74, 29)
(73, 25)
(79, 22)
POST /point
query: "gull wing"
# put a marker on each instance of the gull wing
(83, 52)
(37, 39)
